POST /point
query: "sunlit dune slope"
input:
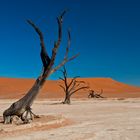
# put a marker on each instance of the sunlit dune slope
(16, 88)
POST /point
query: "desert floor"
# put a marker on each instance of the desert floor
(89, 119)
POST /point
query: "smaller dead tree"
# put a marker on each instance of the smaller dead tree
(92, 94)
(71, 86)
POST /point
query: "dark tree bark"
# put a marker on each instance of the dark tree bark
(67, 100)
(71, 87)
(22, 107)
(92, 94)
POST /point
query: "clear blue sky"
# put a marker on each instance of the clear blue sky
(106, 34)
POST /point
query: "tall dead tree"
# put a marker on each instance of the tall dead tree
(71, 87)
(22, 107)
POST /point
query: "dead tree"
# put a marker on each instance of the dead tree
(22, 107)
(71, 87)
(92, 94)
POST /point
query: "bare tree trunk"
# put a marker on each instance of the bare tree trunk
(21, 106)
(67, 99)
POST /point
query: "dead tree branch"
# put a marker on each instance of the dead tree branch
(92, 94)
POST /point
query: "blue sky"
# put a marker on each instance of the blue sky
(106, 34)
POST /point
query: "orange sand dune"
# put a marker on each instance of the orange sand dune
(16, 88)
